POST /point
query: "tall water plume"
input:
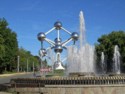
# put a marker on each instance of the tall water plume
(81, 60)
(116, 60)
(82, 36)
(103, 64)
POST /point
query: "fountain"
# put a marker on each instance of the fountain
(82, 36)
(103, 64)
(81, 59)
(116, 60)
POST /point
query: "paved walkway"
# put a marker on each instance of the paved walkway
(5, 93)
(5, 78)
(4, 75)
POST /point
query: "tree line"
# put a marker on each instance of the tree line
(9, 50)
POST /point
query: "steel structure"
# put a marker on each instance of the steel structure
(57, 44)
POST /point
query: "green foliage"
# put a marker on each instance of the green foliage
(8, 46)
(56, 73)
(106, 44)
(9, 51)
(59, 72)
(2, 48)
(26, 56)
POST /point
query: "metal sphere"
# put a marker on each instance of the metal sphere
(42, 52)
(58, 25)
(58, 48)
(58, 40)
(75, 36)
(41, 36)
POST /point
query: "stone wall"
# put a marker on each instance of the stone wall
(69, 85)
(73, 89)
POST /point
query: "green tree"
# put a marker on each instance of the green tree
(2, 48)
(24, 56)
(106, 44)
(8, 47)
(9, 50)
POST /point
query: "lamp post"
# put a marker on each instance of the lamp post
(18, 63)
(33, 66)
(27, 65)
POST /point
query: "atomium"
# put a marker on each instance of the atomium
(57, 45)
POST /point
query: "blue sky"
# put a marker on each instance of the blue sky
(29, 17)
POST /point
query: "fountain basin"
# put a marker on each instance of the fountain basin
(81, 74)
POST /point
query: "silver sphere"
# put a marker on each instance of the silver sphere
(58, 25)
(58, 40)
(42, 52)
(58, 48)
(41, 36)
(75, 36)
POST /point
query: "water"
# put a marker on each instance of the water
(82, 34)
(116, 60)
(103, 64)
(81, 59)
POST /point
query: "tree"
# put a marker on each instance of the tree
(26, 55)
(9, 50)
(2, 48)
(106, 44)
(8, 46)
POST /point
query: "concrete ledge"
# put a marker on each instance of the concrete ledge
(81, 86)
(72, 90)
